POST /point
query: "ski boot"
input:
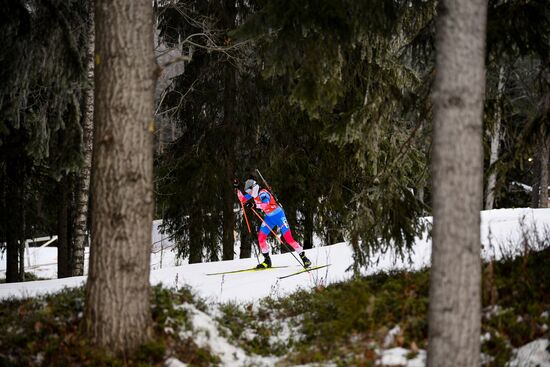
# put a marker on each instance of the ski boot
(305, 260)
(266, 264)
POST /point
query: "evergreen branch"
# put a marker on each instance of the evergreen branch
(402, 150)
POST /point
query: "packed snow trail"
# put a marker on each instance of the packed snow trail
(501, 234)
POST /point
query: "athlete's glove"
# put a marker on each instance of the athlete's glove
(249, 205)
(236, 183)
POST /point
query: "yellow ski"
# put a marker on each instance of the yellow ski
(246, 270)
(305, 271)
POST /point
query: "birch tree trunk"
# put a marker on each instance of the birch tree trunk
(457, 167)
(117, 312)
(535, 191)
(495, 144)
(545, 107)
(83, 193)
(544, 152)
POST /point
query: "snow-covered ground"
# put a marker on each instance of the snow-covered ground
(501, 233)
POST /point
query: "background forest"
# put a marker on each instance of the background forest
(364, 116)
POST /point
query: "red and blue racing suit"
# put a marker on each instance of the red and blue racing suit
(274, 217)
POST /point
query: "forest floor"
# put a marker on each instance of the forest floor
(366, 321)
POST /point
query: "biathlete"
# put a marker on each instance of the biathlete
(274, 217)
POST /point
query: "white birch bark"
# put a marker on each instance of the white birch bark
(495, 144)
(544, 151)
(83, 186)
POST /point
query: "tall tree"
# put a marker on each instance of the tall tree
(40, 132)
(117, 313)
(494, 137)
(196, 171)
(83, 187)
(335, 57)
(457, 172)
(518, 40)
(229, 12)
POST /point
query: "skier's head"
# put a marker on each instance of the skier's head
(251, 187)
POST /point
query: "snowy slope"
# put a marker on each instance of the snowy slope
(500, 233)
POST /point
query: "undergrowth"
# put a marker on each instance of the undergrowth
(47, 331)
(346, 323)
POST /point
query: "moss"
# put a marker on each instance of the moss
(255, 332)
(363, 308)
(47, 331)
(343, 323)
(343, 318)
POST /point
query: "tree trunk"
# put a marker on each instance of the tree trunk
(457, 174)
(228, 239)
(12, 225)
(21, 230)
(63, 266)
(83, 186)
(308, 229)
(420, 193)
(544, 151)
(229, 93)
(535, 186)
(195, 237)
(246, 243)
(118, 313)
(495, 144)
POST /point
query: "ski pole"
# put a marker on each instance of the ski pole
(278, 238)
(263, 221)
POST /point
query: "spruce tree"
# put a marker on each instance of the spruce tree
(42, 82)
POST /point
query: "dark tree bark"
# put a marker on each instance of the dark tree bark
(21, 230)
(229, 102)
(246, 240)
(228, 239)
(118, 312)
(195, 237)
(63, 258)
(308, 229)
(12, 221)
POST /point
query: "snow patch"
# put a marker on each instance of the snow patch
(174, 362)
(398, 357)
(534, 354)
(206, 335)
